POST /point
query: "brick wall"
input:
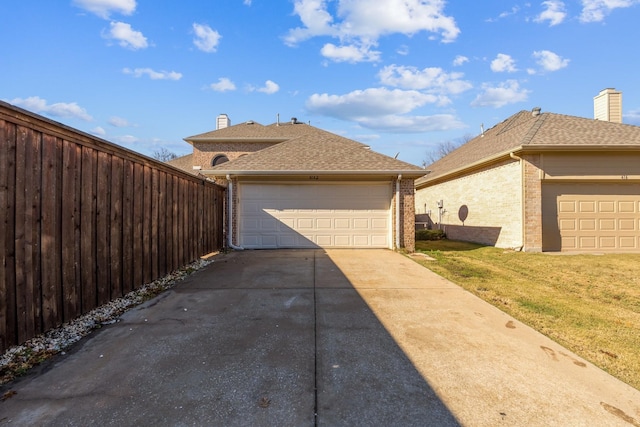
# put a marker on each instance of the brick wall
(407, 215)
(532, 202)
(483, 207)
(204, 152)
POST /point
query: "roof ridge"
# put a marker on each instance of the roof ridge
(528, 137)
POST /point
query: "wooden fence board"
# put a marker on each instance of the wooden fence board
(22, 322)
(168, 227)
(115, 238)
(33, 202)
(51, 232)
(83, 221)
(162, 223)
(146, 227)
(71, 275)
(103, 212)
(155, 201)
(8, 326)
(137, 222)
(127, 227)
(88, 228)
(175, 220)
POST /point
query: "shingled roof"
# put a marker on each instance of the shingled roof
(183, 162)
(253, 131)
(526, 131)
(317, 152)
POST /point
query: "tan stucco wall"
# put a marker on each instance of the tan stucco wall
(493, 200)
(204, 152)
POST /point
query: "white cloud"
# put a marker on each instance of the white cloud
(433, 79)
(596, 10)
(508, 92)
(554, 13)
(363, 22)
(413, 124)
(99, 131)
(124, 139)
(403, 50)
(632, 117)
(514, 10)
(59, 109)
(153, 75)
(550, 61)
(119, 122)
(459, 60)
(373, 102)
(269, 87)
(503, 63)
(104, 8)
(126, 36)
(247, 2)
(207, 39)
(223, 85)
(350, 53)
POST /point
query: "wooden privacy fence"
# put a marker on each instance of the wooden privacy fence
(83, 221)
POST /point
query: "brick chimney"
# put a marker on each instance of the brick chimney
(222, 121)
(607, 106)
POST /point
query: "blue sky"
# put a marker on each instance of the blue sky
(399, 75)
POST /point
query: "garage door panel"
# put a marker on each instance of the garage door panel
(627, 207)
(607, 242)
(626, 224)
(586, 207)
(628, 242)
(567, 207)
(606, 216)
(608, 206)
(325, 215)
(607, 224)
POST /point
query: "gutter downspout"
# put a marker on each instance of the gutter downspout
(522, 199)
(230, 209)
(398, 212)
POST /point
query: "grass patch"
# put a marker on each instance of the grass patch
(589, 304)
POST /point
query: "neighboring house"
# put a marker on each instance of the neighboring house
(540, 182)
(292, 185)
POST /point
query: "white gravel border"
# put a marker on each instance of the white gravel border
(56, 340)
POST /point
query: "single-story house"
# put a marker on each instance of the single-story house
(292, 185)
(540, 182)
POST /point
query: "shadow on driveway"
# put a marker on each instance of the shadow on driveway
(259, 338)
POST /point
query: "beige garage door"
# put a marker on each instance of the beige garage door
(591, 217)
(343, 215)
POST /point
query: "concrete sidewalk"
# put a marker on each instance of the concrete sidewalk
(268, 338)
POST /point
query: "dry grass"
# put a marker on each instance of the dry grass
(588, 303)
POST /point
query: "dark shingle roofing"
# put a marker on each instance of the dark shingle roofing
(317, 151)
(546, 131)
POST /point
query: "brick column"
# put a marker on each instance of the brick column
(532, 203)
(407, 215)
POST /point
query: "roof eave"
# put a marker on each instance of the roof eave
(524, 149)
(582, 147)
(404, 173)
(474, 165)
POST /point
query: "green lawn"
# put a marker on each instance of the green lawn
(588, 303)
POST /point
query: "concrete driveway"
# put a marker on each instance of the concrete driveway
(314, 337)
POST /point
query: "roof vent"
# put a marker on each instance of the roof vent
(294, 120)
(250, 122)
(536, 111)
